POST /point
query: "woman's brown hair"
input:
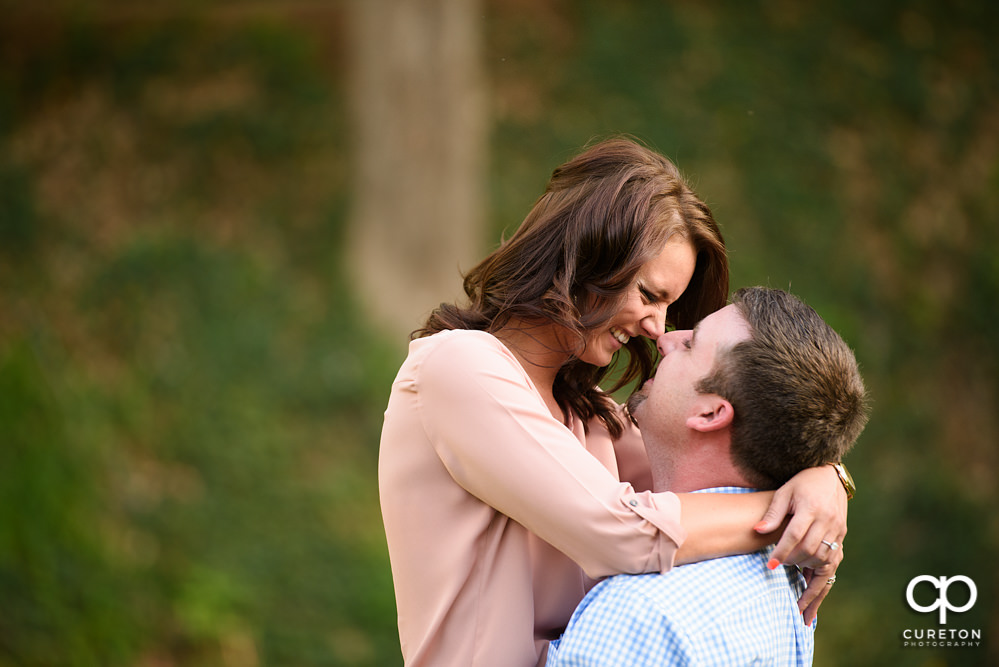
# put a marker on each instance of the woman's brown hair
(604, 214)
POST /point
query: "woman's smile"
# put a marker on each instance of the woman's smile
(620, 335)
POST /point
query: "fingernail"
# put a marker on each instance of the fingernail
(773, 563)
(760, 526)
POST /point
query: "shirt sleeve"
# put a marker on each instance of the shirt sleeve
(498, 440)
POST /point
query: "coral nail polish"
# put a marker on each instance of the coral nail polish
(773, 563)
(760, 526)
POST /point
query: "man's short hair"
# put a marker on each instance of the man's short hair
(795, 387)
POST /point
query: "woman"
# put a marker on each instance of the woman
(509, 480)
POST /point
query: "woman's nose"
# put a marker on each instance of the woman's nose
(654, 324)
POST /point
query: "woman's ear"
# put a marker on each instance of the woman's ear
(713, 413)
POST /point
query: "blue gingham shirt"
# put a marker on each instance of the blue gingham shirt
(726, 611)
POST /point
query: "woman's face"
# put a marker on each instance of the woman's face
(659, 283)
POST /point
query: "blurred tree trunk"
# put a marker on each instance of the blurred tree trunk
(419, 154)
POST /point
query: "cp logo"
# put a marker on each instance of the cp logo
(942, 602)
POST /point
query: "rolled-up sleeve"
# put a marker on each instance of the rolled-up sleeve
(499, 442)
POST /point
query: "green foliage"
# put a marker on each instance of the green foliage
(18, 213)
(64, 601)
(191, 401)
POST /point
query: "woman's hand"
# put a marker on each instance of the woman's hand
(818, 584)
(813, 540)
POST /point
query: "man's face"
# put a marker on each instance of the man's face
(664, 403)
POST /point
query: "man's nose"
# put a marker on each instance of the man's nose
(670, 340)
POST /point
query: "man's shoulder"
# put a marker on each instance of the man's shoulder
(702, 590)
(731, 610)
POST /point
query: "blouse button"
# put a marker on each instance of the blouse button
(633, 502)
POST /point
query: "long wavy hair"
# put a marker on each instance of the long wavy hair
(604, 214)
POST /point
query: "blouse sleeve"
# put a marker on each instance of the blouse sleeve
(499, 442)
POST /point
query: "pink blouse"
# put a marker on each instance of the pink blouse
(498, 516)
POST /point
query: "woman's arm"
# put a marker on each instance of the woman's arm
(720, 524)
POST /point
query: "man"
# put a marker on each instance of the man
(756, 392)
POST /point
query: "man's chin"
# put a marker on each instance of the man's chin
(634, 405)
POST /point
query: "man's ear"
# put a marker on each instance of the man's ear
(713, 413)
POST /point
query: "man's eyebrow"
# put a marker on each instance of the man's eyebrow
(693, 334)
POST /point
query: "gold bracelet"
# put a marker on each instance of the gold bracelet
(845, 478)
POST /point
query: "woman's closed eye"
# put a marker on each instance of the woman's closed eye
(651, 298)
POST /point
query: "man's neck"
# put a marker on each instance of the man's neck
(691, 468)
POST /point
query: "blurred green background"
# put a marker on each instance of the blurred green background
(190, 391)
